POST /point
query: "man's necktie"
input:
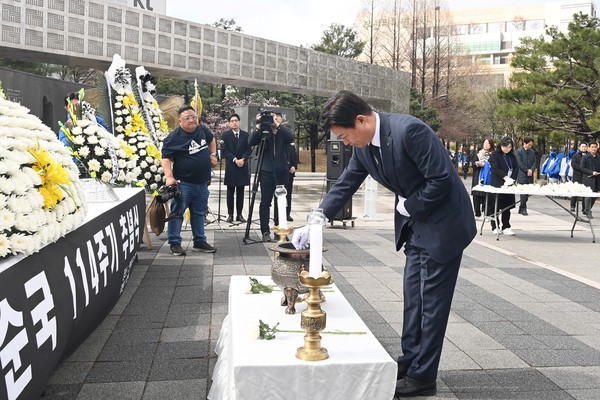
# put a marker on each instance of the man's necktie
(236, 134)
(376, 157)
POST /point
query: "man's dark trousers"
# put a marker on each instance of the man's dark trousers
(424, 324)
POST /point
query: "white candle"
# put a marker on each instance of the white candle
(315, 235)
(281, 206)
(280, 195)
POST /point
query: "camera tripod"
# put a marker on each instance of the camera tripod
(216, 218)
(260, 152)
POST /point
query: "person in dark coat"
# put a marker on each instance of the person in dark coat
(527, 166)
(504, 171)
(478, 161)
(590, 168)
(235, 152)
(274, 168)
(293, 160)
(433, 221)
(577, 174)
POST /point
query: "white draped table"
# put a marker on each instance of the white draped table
(357, 368)
(533, 190)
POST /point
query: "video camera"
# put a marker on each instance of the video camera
(266, 121)
(166, 193)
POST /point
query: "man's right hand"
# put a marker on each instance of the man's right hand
(170, 181)
(300, 237)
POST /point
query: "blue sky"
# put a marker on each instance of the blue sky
(297, 22)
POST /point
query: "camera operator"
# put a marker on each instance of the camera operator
(276, 139)
(188, 154)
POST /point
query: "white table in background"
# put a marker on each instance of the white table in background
(521, 190)
(357, 368)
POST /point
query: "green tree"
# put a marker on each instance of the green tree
(556, 86)
(340, 41)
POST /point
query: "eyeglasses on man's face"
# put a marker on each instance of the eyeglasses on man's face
(189, 117)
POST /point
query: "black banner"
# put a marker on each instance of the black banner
(52, 300)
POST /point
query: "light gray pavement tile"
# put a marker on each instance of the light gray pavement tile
(457, 360)
(574, 377)
(495, 328)
(496, 359)
(119, 371)
(112, 390)
(466, 336)
(585, 394)
(61, 392)
(179, 369)
(91, 347)
(513, 342)
(176, 390)
(182, 334)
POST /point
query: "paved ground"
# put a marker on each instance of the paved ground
(525, 321)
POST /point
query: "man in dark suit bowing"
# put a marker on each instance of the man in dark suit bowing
(235, 151)
(433, 220)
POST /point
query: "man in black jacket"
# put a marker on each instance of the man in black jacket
(577, 175)
(590, 169)
(274, 166)
(527, 166)
(235, 152)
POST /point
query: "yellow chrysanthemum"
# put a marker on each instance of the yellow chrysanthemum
(52, 175)
(153, 151)
(126, 148)
(138, 123)
(129, 100)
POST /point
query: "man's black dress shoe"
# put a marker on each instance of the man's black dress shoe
(409, 387)
(240, 219)
(402, 370)
(289, 218)
(229, 219)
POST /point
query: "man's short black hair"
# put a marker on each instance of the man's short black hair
(234, 115)
(527, 140)
(71, 96)
(184, 108)
(279, 114)
(342, 110)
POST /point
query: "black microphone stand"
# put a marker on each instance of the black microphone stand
(261, 149)
(220, 180)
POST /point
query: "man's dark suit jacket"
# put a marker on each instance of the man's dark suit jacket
(416, 166)
(230, 149)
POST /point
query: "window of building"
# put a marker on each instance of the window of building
(493, 27)
(476, 28)
(516, 25)
(534, 25)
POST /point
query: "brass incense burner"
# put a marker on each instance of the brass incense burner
(289, 262)
(313, 319)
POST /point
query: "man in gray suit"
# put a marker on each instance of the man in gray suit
(433, 220)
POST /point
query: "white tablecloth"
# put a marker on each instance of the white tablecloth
(357, 368)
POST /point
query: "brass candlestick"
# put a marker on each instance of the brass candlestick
(313, 319)
(283, 233)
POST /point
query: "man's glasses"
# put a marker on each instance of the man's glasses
(189, 117)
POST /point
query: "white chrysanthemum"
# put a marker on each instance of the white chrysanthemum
(147, 175)
(102, 142)
(118, 104)
(94, 165)
(21, 243)
(122, 164)
(118, 112)
(3, 199)
(118, 120)
(93, 140)
(8, 166)
(153, 187)
(84, 151)
(78, 140)
(7, 220)
(7, 185)
(76, 131)
(33, 176)
(153, 168)
(119, 129)
(16, 204)
(4, 245)
(106, 177)
(143, 164)
(142, 153)
(22, 184)
(99, 151)
(128, 119)
(107, 163)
